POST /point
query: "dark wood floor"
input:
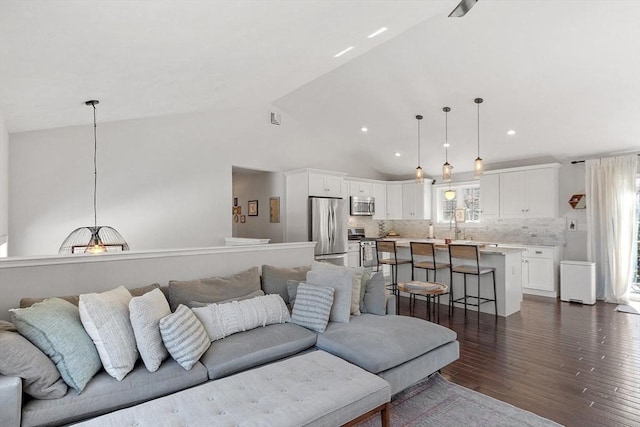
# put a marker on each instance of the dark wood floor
(577, 365)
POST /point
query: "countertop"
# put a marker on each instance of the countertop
(489, 248)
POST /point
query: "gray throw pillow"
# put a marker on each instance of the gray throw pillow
(342, 281)
(375, 297)
(145, 313)
(274, 279)
(184, 336)
(198, 304)
(292, 291)
(20, 358)
(214, 289)
(54, 327)
(357, 274)
(313, 306)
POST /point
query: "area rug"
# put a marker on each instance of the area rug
(438, 402)
(633, 307)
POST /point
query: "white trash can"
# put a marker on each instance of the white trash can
(578, 281)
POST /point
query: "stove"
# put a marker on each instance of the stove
(367, 246)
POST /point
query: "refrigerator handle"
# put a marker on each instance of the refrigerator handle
(331, 227)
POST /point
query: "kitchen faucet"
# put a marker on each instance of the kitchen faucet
(456, 230)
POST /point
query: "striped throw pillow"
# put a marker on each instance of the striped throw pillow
(313, 306)
(184, 336)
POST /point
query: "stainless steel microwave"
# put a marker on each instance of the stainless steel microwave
(363, 206)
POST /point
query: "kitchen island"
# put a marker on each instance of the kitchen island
(506, 261)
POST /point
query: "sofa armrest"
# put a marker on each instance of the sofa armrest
(391, 304)
(10, 401)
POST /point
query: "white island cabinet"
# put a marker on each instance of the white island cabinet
(506, 261)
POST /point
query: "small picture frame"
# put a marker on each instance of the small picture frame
(460, 214)
(237, 210)
(236, 217)
(243, 219)
(253, 208)
(235, 201)
(274, 209)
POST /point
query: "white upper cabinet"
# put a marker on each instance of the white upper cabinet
(416, 200)
(529, 193)
(361, 188)
(394, 201)
(379, 192)
(325, 185)
(490, 196)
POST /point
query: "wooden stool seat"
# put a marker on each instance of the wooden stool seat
(471, 269)
(423, 255)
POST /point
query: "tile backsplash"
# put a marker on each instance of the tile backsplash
(535, 231)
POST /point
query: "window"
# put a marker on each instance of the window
(467, 198)
(635, 285)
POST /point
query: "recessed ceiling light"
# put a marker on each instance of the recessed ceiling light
(339, 54)
(446, 145)
(364, 129)
(511, 132)
(397, 154)
(378, 32)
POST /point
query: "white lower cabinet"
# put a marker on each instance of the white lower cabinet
(540, 270)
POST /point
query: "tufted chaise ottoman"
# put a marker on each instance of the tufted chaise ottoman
(314, 389)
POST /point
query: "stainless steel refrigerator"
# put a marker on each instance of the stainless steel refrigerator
(328, 227)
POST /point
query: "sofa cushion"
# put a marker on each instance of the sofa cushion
(75, 299)
(356, 284)
(340, 280)
(20, 358)
(213, 289)
(145, 313)
(104, 394)
(378, 343)
(54, 327)
(274, 279)
(105, 317)
(184, 336)
(197, 304)
(256, 347)
(312, 306)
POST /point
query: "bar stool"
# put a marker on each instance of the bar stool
(423, 255)
(470, 252)
(389, 247)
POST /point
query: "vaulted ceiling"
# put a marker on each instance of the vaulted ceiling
(565, 75)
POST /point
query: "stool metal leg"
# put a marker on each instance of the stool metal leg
(495, 295)
(465, 294)
(479, 298)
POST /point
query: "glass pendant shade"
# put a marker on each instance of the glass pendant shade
(449, 194)
(446, 172)
(93, 240)
(477, 168)
(419, 175)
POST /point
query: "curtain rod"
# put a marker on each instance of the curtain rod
(573, 162)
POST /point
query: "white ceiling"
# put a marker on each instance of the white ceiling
(564, 74)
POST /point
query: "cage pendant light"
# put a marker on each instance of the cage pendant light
(419, 174)
(446, 167)
(94, 239)
(477, 163)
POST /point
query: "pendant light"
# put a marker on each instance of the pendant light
(419, 174)
(446, 167)
(477, 164)
(94, 239)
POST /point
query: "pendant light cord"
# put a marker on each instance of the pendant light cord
(446, 136)
(479, 129)
(419, 141)
(95, 168)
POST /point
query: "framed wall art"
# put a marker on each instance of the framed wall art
(243, 219)
(274, 209)
(253, 208)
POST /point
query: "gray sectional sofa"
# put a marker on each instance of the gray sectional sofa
(402, 350)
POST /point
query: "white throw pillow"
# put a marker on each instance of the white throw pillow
(184, 336)
(356, 285)
(341, 281)
(221, 320)
(105, 317)
(145, 313)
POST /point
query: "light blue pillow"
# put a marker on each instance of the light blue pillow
(342, 281)
(54, 327)
(312, 306)
(375, 297)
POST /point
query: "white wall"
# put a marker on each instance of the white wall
(572, 181)
(260, 187)
(4, 185)
(72, 275)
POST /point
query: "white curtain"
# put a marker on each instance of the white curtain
(610, 190)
